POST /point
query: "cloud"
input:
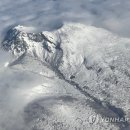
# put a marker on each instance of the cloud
(50, 14)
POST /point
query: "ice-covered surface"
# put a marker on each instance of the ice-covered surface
(77, 71)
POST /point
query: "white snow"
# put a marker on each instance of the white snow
(88, 56)
(33, 93)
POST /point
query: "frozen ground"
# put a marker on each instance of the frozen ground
(57, 73)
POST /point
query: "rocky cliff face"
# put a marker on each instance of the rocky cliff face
(45, 45)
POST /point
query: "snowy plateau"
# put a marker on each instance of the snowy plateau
(77, 71)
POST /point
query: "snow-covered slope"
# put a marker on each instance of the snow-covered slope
(92, 61)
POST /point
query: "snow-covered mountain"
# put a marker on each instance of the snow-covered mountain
(91, 62)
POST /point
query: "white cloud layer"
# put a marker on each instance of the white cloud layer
(50, 14)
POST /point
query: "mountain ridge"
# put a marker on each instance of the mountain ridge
(88, 58)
